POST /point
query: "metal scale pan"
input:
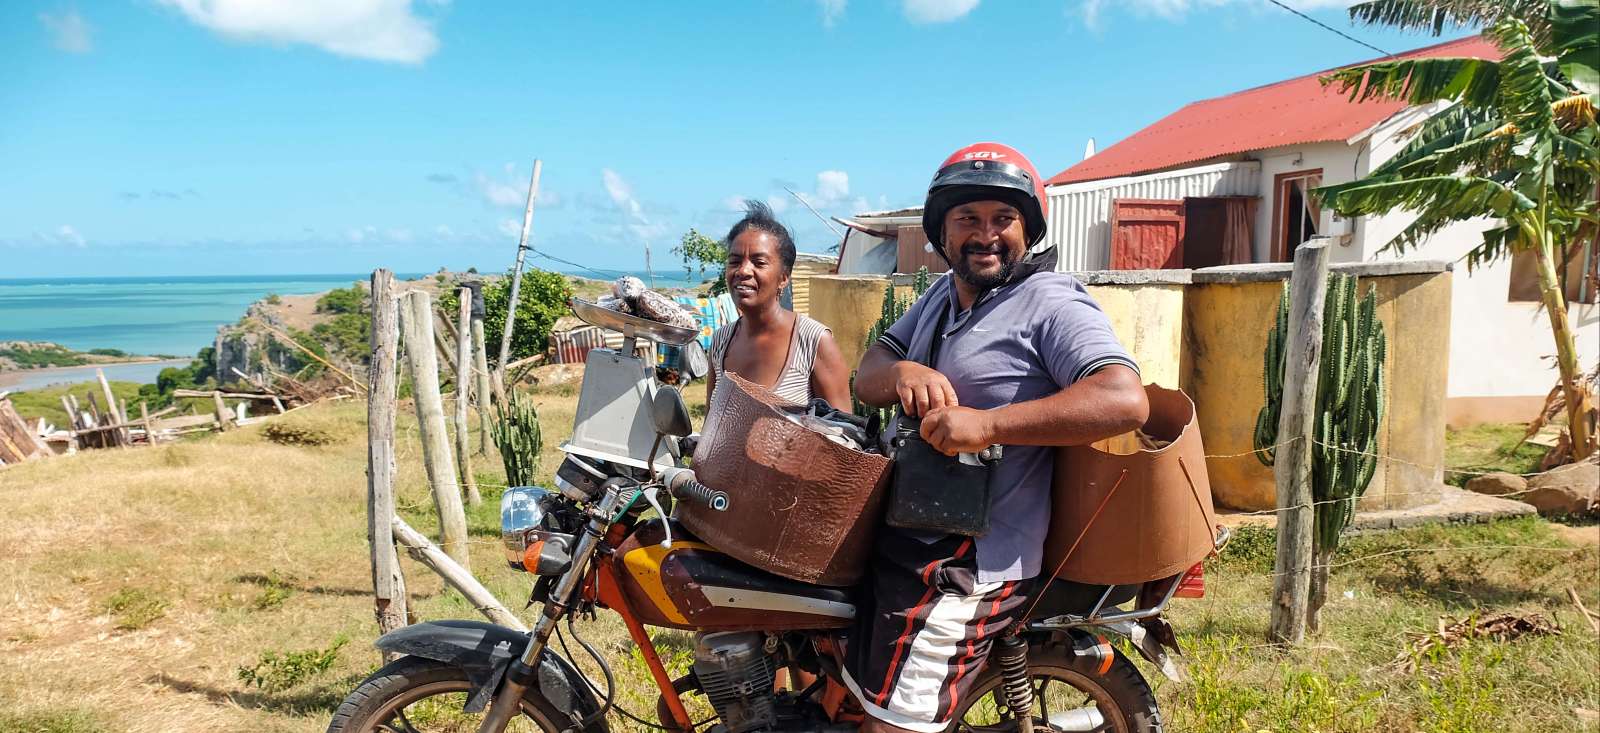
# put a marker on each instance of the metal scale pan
(613, 416)
(631, 326)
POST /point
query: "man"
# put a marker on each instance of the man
(1025, 359)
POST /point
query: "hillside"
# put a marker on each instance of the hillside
(17, 355)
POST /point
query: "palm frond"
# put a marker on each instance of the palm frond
(1420, 81)
(1573, 113)
(1477, 151)
(1445, 129)
(1451, 197)
(1497, 242)
(1576, 44)
(1524, 94)
(1436, 16)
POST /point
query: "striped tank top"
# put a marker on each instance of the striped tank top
(794, 382)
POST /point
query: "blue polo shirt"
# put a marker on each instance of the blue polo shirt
(1018, 342)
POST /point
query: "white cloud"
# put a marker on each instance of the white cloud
(832, 187)
(621, 193)
(399, 235)
(937, 11)
(500, 193)
(778, 202)
(511, 228)
(380, 30)
(70, 30)
(1092, 11)
(831, 10)
(357, 235)
(67, 235)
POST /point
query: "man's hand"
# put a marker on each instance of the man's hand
(953, 430)
(922, 390)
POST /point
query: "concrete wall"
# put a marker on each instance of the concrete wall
(1228, 311)
(848, 304)
(1146, 312)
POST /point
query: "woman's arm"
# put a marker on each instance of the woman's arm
(830, 378)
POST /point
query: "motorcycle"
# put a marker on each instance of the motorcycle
(592, 544)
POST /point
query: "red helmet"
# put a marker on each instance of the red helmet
(985, 172)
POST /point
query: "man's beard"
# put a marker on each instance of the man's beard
(982, 282)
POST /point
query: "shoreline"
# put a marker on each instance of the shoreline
(43, 376)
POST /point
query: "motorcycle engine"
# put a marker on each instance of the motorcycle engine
(735, 671)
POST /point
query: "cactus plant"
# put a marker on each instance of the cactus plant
(515, 432)
(1350, 406)
(893, 309)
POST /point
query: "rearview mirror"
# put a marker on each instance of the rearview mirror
(670, 415)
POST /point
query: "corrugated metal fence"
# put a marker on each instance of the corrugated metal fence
(1080, 213)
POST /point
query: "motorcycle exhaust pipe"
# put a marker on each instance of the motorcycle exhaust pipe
(1081, 719)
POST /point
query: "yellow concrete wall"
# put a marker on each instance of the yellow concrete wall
(1226, 337)
(848, 304)
(1148, 320)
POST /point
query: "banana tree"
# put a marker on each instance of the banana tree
(1516, 141)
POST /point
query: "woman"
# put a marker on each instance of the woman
(774, 347)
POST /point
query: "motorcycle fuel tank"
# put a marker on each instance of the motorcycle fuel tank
(692, 585)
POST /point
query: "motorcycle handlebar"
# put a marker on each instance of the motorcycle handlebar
(681, 484)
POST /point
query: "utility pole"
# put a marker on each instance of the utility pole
(516, 280)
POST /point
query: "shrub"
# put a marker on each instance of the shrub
(287, 433)
(343, 300)
(542, 300)
(135, 608)
(274, 672)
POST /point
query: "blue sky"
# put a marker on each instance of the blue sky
(147, 137)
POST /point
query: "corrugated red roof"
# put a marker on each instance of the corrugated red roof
(1291, 112)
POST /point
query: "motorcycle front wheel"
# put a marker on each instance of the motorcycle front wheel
(1064, 683)
(415, 695)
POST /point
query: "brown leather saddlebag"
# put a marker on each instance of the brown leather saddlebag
(801, 506)
(1130, 510)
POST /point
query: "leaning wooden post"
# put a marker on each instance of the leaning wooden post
(464, 399)
(388, 584)
(422, 363)
(1291, 586)
(144, 417)
(119, 436)
(457, 575)
(516, 283)
(224, 415)
(72, 413)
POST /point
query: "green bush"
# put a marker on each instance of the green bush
(275, 672)
(343, 300)
(135, 608)
(348, 334)
(119, 353)
(542, 300)
(43, 355)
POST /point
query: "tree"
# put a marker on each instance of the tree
(1516, 141)
(540, 303)
(698, 249)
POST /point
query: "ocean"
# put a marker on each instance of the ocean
(176, 315)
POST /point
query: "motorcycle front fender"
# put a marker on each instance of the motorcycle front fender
(485, 651)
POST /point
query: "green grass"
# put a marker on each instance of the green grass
(51, 721)
(135, 608)
(46, 403)
(46, 355)
(1488, 448)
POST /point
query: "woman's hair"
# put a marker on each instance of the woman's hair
(758, 216)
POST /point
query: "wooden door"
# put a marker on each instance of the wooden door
(1146, 234)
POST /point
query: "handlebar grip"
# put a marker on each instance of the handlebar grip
(697, 492)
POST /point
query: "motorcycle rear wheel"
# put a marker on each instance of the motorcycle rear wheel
(1063, 681)
(415, 695)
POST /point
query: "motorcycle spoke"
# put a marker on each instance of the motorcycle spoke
(1038, 694)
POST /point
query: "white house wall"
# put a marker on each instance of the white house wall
(1080, 213)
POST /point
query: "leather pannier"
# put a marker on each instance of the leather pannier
(1128, 512)
(801, 506)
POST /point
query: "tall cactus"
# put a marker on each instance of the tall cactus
(893, 308)
(1350, 405)
(515, 432)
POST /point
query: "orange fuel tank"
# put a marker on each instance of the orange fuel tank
(693, 586)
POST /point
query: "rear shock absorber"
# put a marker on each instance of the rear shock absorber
(1011, 653)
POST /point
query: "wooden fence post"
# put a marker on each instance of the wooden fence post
(480, 369)
(422, 363)
(457, 575)
(388, 583)
(119, 436)
(464, 398)
(224, 415)
(144, 417)
(516, 283)
(1291, 585)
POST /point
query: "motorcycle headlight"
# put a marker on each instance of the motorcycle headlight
(522, 508)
